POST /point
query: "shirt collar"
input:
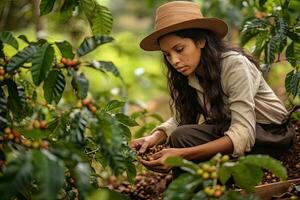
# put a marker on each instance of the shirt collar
(194, 82)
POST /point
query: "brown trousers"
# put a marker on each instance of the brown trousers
(271, 139)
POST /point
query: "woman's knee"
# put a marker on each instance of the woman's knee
(178, 137)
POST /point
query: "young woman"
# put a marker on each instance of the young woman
(221, 101)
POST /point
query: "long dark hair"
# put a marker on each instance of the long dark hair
(184, 98)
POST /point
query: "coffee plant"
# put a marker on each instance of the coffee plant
(276, 30)
(213, 179)
(54, 145)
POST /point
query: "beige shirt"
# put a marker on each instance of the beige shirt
(248, 100)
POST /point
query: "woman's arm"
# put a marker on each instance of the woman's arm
(222, 145)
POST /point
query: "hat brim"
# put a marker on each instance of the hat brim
(219, 27)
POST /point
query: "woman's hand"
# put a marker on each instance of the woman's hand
(157, 161)
(143, 143)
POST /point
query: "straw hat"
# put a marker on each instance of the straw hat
(178, 15)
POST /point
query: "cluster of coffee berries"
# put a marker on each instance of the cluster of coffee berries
(2, 73)
(149, 152)
(39, 124)
(269, 177)
(87, 103)
(207, 171)
(14, 136)
(214, 191)
(69, 63)
(35, 144)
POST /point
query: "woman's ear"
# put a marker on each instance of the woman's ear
(201, 43)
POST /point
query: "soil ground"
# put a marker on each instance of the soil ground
(150, 185)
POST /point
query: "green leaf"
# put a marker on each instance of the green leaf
(8, 38)
(77, 128)
(54, 86)
(247, 36)
(106, 194)
(262, 2)
(260, 44)
(24, 38)
(21, 57)
(99, 17)
(112, 105)
(130, 170)
(126, 120)
(200, 195)
(292, 82)
(16, 98)
(290, 54)
(247, 176)
(182, 188)
(91, 43)
(109, 136)
(46, 6)
(17, 175)
(270, 50)
(66, 49)
(266, 162)
(80, 85)
(2, 55)
(184, 164)
(157, 117)
(106, 66)
(82, 175)
(48, 173)
(126, 132)
(226, 171)
(67, 9)
(3, 110)
(41, 63)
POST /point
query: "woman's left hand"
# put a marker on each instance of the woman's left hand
(156, 161)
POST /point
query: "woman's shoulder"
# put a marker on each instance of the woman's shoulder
(233, 59)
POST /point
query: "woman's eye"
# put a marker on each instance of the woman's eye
(179, 50)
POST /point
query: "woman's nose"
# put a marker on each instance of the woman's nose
(174, 60)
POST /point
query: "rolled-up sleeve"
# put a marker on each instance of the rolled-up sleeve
(240, 82)
(168, 126)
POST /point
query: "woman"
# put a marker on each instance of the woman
(221, 101)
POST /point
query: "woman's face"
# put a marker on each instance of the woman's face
(182, 53)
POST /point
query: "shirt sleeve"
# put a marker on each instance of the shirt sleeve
(168, 126)
(241, 82)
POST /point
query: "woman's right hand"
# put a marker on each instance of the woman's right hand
(143, 143)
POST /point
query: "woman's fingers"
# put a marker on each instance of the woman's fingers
(144, 147)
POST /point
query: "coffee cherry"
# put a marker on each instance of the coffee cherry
(27, 143)
(205, 175)
(85, 102)
(225, 158)
(2, 71)
(217, 193)
(209, 191)
(10, 136)
(44, 144)
(43, 124)
(7, 130)
(214, 175)
(36, 124)
(200, 171)
(206, 167)
(64, 60)
(93, 109)
(35, 144)
(79, 105)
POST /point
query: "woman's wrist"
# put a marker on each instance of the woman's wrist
(160, 136)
